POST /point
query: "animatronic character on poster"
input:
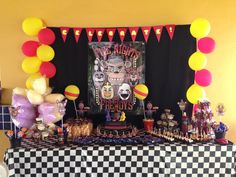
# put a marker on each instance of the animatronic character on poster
(107, 91)
(116, 72)
(124, 91)
(116, 69)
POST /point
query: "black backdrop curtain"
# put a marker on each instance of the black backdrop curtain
(167, 73)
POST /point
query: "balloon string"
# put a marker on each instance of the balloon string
(11, 123)
(144, 110)
(62, 124)
(75, 110)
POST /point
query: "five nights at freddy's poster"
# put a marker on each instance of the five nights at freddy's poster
(113, 70)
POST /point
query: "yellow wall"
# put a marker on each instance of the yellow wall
(105, 13)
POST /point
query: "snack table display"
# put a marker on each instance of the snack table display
(51, 136)
(46, 158)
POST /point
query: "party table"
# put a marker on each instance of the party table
(166, 159)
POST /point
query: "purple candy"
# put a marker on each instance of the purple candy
(19, 100)
(51, 112)
(21, 122)
(23, 111)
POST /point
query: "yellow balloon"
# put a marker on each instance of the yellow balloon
(197, 61)
(45, 53)
(31, 79)
(32, 25)
(31, 65)
(72, 92)
(195, 93)
(200, 28)
(140, 91)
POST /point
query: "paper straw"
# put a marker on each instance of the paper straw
(15, 130)
(62, 124)
(75, 109)
(143, 109)
(10, 123)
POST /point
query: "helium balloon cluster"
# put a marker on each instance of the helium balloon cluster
(37, 100)
(199, 29)
(38, 53)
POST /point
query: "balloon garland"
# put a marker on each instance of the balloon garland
(199, 29)
(38, 53)
(37, 99)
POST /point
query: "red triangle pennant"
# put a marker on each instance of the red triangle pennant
(158, 31)
(133, 32)
(146, 31)
(122, 33)
(110, 33)
(77, 32)
(90, 32)
(64, 32)
(170, 29)
(100, 32)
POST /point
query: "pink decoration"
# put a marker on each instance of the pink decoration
(195, 107)
(47, 69)
(46, 36)
(203, 77)
(206, 45)
(29, 48)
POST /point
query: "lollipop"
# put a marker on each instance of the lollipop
(141, 92)
(72, 93)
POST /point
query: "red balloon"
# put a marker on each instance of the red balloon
(203, 77)
(47, 69)
(46, 36)
(29, 48)
(206, 45)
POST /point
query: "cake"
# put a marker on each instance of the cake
(116, 127)
(116, 130)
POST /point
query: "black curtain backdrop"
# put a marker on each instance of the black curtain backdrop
(167, 73)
